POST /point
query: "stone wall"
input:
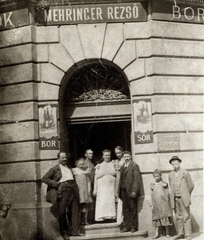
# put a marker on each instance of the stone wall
(162, 60)
(174, 82)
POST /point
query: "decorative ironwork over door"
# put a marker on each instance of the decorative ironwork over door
(97, 82)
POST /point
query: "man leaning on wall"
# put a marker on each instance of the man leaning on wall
(62, 192)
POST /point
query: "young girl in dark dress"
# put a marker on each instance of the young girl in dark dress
(160, 204)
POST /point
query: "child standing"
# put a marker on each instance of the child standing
(84, 184)
(160, 204)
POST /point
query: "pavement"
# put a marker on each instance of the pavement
(195, 236)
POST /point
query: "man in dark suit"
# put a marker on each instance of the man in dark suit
(62, 192)
(130, 181)
(181, 187)
(90, 169)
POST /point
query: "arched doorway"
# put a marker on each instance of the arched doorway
(95, 109)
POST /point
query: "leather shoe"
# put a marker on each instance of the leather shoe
(133, 230)
(125, 230)
(77, 234)
(65, 237)
(156, 236)
(178, 237)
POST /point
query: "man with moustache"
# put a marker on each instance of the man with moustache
(62, 192)
(129, 186)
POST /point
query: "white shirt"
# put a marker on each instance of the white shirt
(127, 164)
(66, 173)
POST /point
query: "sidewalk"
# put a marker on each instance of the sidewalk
(195, 236)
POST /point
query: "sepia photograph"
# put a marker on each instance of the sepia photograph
(101, 119)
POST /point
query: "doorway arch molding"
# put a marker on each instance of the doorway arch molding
(68, 77)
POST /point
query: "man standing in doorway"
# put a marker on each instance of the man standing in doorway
(181, 187)
(91, 173)
(130, 181)
(62, 192)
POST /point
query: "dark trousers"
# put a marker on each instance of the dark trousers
(129, 210)
(68, 199)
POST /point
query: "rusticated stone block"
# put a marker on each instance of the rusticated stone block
(25, 151)
(137, 30)
(135, 70)
(59, 57)
(178, 122)
(177, 104)
(18, 93)
(174, 85)
(113, 40)
(126, 54)
(18, 132)
(177, 30)
(15, 36)
(166, 47)
(175, 66)
(50, 73)
(10, 172)
(41, 53)
(20, 195)
(48, 92)
(17, 74)
(48, 154)
(190, 141)
(14, 55)
(47, 34)
(69, 38)
(18, 112)
(144, 86)
(92, 36)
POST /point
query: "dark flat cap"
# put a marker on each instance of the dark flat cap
(175, 158)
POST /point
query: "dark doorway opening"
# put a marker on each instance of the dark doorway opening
(98, 136)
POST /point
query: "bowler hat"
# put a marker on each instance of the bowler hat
(175, 158)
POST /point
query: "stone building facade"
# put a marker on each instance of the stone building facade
(155, 48)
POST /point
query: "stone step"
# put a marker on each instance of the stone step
(104, 231)
(113, 235)
(100, 228)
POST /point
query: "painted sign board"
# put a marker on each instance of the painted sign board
(178, 11)
(170, 142)
(99, 13)
(14, 19)
(48, 137)
(142, 115)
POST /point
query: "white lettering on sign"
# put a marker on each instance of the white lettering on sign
(5, 19)
(122, 12)
(48, 144)
(188, 13)
(200, 13)
(143, 137)
(78, 14)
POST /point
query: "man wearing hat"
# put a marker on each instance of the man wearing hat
(181, 187)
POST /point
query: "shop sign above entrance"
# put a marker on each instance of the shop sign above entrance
(124, 12)
(190, 11)
(14, 19)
